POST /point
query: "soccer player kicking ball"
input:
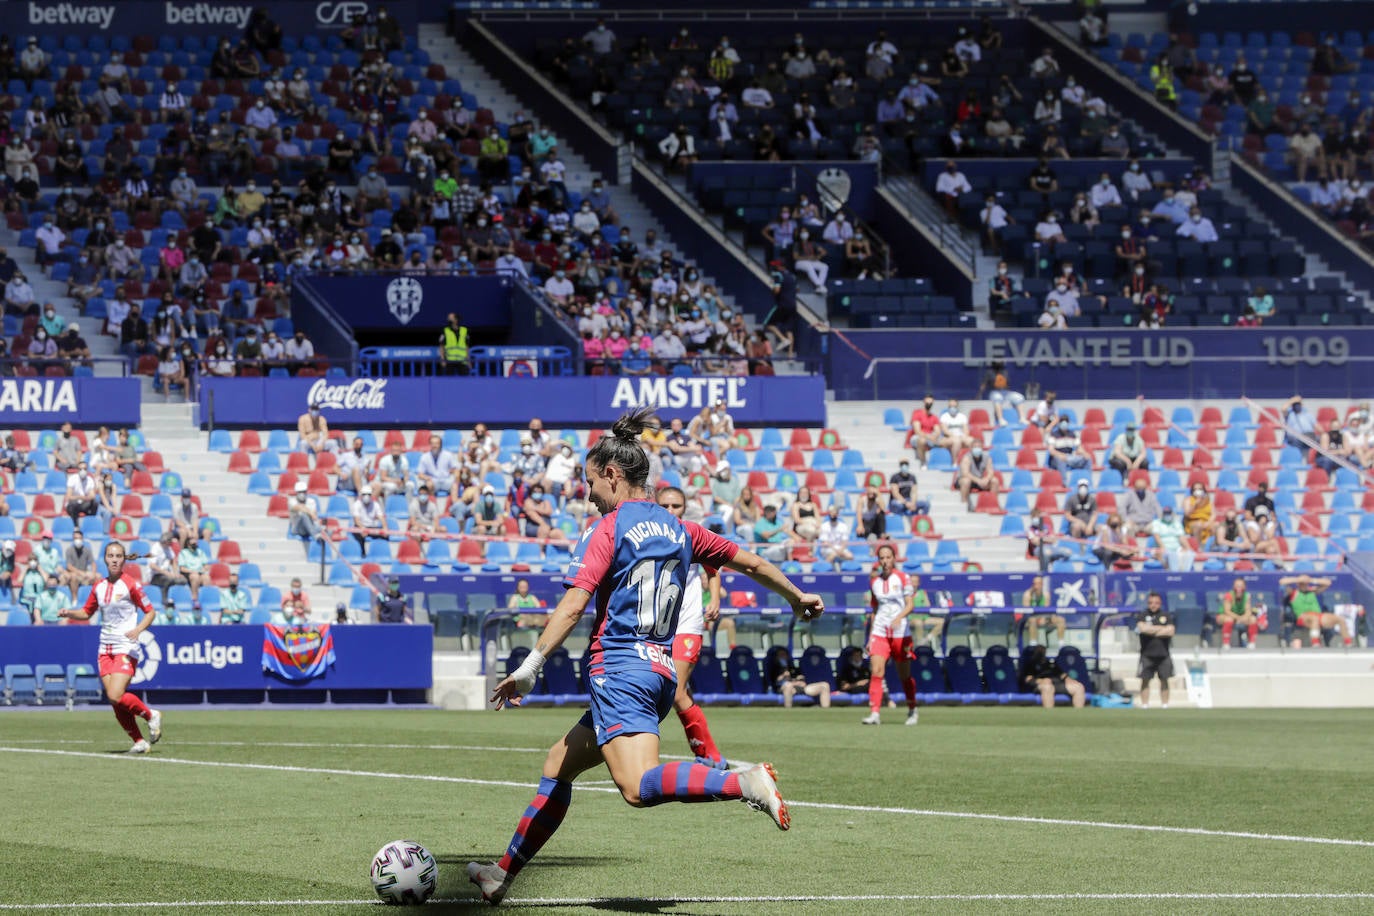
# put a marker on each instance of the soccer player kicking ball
(120, 601)
(892, 596)
(633, 564)
(691, 626)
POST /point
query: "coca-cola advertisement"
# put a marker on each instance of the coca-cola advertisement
(455, 402)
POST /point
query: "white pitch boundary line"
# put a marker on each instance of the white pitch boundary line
(326, 745)
(665, 901)
(825, 806)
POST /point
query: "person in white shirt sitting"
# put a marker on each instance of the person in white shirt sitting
(950, 185)
(1198, 228)
(1104, 193)
(1052, 318)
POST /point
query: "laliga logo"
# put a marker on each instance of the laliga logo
(360, 394)
(200, 653)
(403, 297)
(152, 657)
(339, 14)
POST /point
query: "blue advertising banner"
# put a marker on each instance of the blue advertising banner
(53, 401)
(178, 18)
(578, 401)
(387, 302)
(1192, 363)
(366, 657)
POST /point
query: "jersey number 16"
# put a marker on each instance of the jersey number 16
(659, 597)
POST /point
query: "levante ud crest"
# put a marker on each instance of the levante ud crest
(404, 296)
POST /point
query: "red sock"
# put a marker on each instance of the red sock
(698, 734)
(1253, 632)
(135, 705)
(127, 721)
(875, 693)
(909, 685)
(1228, 626)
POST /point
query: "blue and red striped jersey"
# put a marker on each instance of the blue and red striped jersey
(635, 563)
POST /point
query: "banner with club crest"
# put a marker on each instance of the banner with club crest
(297, 653)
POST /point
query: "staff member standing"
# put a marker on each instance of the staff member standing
(453, 346)
(391, 606)
(1156, 628)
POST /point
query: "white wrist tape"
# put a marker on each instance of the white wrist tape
(529, 669)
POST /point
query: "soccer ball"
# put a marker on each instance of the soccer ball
(403, 871)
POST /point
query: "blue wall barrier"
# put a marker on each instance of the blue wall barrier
(366, 657)
(581, 401)
(392, 302)
(177, 18)
(1193, 363)
(85, 401)
(518, 362)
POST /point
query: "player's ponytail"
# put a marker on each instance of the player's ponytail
(622, 447)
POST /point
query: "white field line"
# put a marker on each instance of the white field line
(669, 901)
(825, 806)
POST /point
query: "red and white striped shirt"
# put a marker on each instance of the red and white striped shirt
(122, 605)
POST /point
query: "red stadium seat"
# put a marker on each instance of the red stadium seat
(1204, 460)
(240, 462)
(278, 506)
(794, 460)
(1094, 418)
(1262, 458)
(1207, 438)
(1047, 503)
(471, 552)
(319, 485)
(801, 438)
(1051, 481)
(393, 436)
(298, 463)
(1151, 436)
(146, 365)
(44, 506)
(327, 462)
(978, 422)
(744, 440)
(142, 483)
(1222, 501)
(1153, 418)
(758, 482)
(1027, 460)
(250, 441)
(1173, 459)
(408, 552)
(1256, 477)
(1318, 480)
(1311, 526)
(1091, 440)
(219, 575)
(830, 440)
(1106, 502)
(1314, 502)
(131, 505)
(1211, 416)
(228, 552)
(817, 481)
(1032, 437)
(154, 463)
(33, 529)
(420, 441)
(121, 529)
(1198, 477)
(287, 483)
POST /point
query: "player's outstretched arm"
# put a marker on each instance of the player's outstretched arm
(561, 622)
(804, 604)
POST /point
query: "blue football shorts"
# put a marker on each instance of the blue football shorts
(628, 702)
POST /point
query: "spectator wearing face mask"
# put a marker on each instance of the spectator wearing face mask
(1300, 426)
(1080, 511)
(81, 496)
(1129, 453)
(312, 430)
(1139, 507)
(369, 518)
(304, 518)
(81, 565)
(422, 522)
(976, 473)
(295, 604)
(1173, 550)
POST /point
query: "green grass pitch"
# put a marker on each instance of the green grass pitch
(296, 802)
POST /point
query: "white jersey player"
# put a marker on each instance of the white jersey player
(693, 616)
(125, 613)
(891, 594)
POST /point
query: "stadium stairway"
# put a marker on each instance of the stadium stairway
(476, 79)
(883, 448)
(171, 429)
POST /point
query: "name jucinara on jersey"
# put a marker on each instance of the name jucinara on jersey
(652, 529)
